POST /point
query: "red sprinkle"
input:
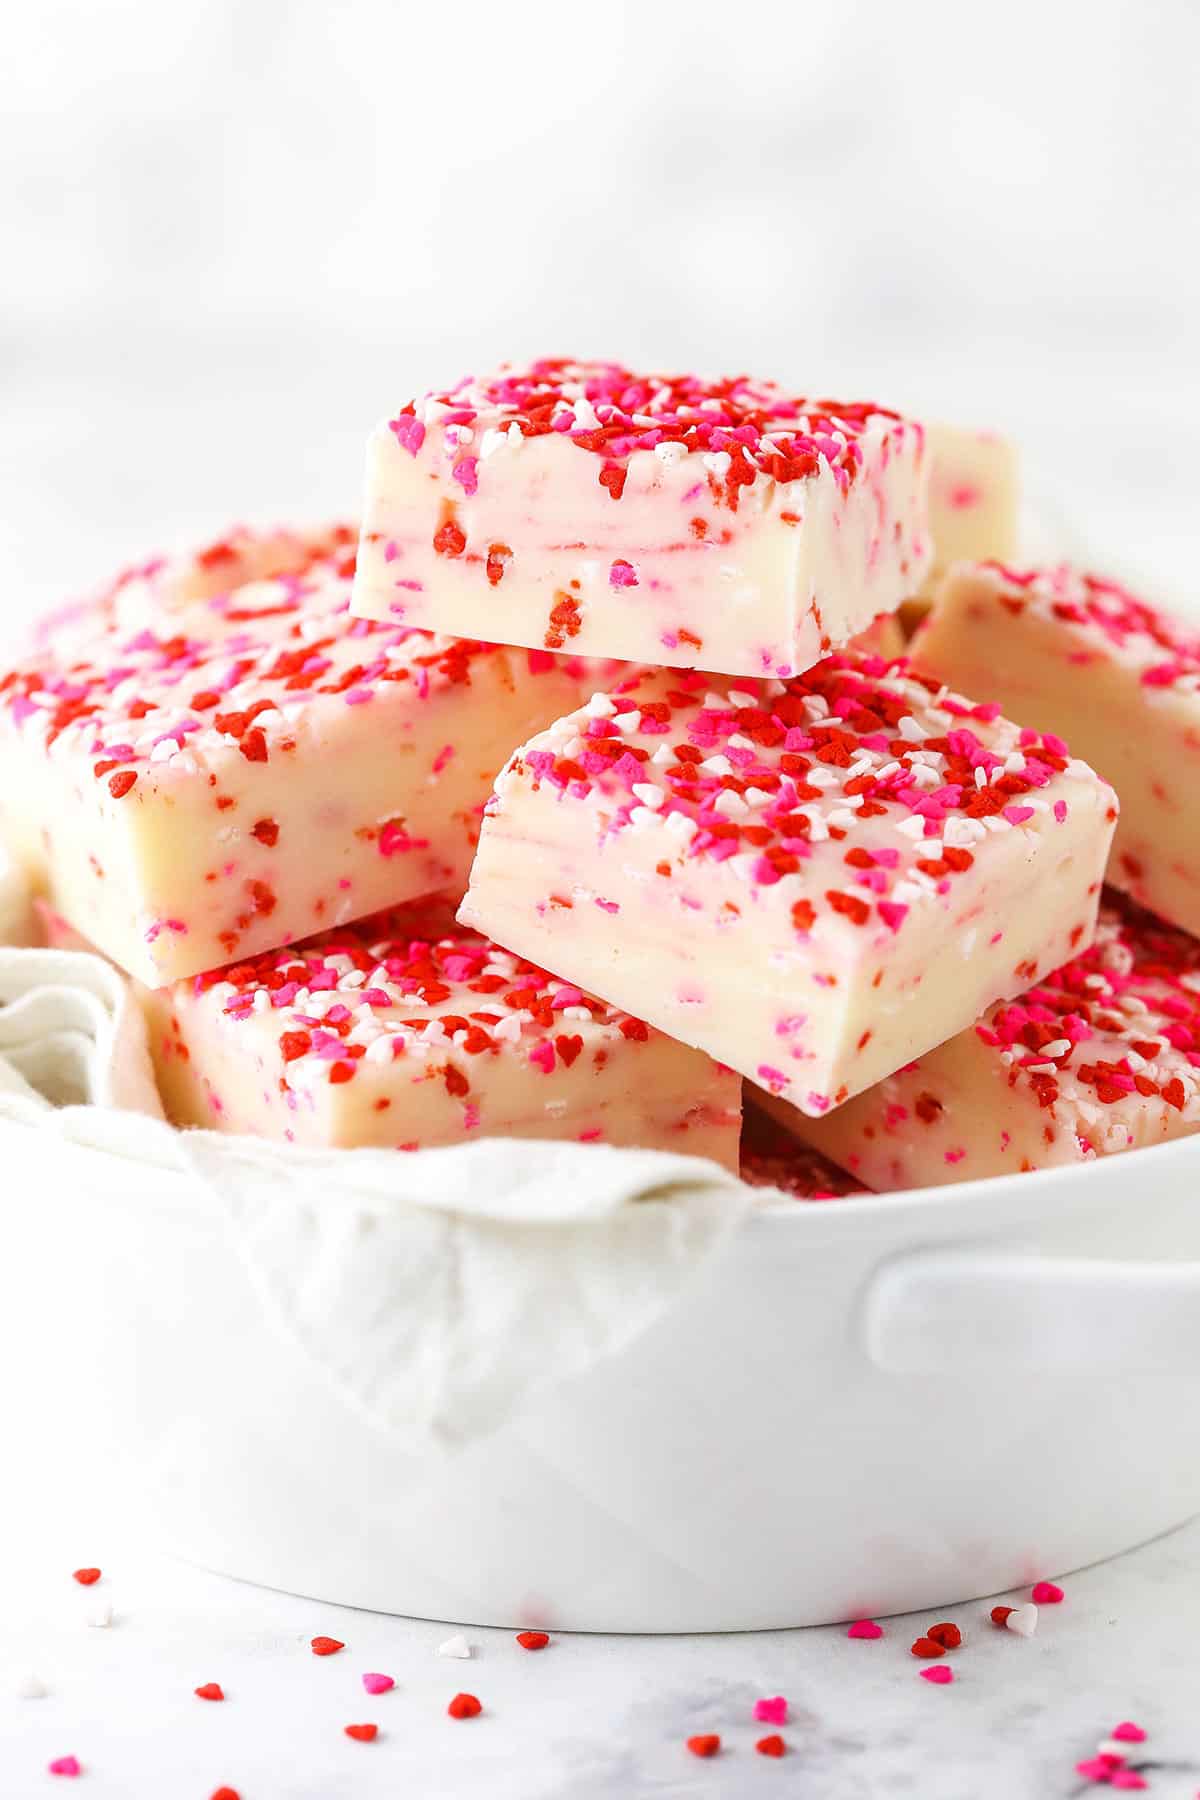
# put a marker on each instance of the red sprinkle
(1000, 1614)
(464, 1706)
(323, 1646)
(771, 1746)
(707, 1744)
(1047, 1593)
(947, 1635)
(210, 1690)
(119, 785)
(532, 1640)
(86, 1577)
(226, 1793)
(362, 1734)
(927, 1646)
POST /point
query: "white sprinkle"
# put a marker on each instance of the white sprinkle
(740, 697)
(648, 794)
(729, 803)
(670, 454)
(30, 1687)
(455, 1646)
(627, 722)
(1024, 1621)
(717, 462)
(600, 707)
(100, 1615)
(913, 826)
(681, 825)
(663, 755)
(912, 729)
(509, 1029)
(717, 765)
(1059, 1047)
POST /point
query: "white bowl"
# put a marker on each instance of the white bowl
(865, 1406)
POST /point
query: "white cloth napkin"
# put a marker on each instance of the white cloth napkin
(436, 1290)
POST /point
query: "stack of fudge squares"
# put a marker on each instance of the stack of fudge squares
(596, 779)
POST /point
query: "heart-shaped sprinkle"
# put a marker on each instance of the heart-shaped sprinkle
(100, 1615)
(773, 1711)
(1023, 1620)
(771, 1746)
(87, 1577)
(945, 1634)
(865, 1628)
(706, 1744)
(226, 1794)
(323, 1646)
(1128, 1733)
(362, 1734)
(455, 1646)
(66, 1765)
(377, 1684)
(30, 1687)
(927, 1646)
(464, 1706)
(1047, 1593)
(1095, 1768)
(1002, 1614)
(1127, 1778)
(532, 1640)
(568, 1048)
(940, 1675)
(209, 1690)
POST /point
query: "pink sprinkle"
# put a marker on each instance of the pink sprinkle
(892, 913)
(865, 1628)
(622, 575)
(1128, 1733)
(773, 1711)
(442, 758)
(539, 661)
(608, 906)
(1017, 815)
(408, 432)
(543, 1055)
(1060, 811)
(1095, 1768)
(466, 473)
(378, 1684)
(66, 1765)
(1127, 1778)
(1046, 1593)
(939, 1674)
(566, 996)
(775, 1079)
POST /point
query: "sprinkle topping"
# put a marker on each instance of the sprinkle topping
(372, 991)
(225, 680)
(743, 429)
(1110, 617)
(907, 779)
(1119, 1024)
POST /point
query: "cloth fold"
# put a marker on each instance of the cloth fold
(435, 1290)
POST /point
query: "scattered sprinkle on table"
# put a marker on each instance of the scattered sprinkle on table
(326, 1646)
(927, 1646)
(455, 1646)
(532, 1640)
(86, 1577)
(377, 1684)
(209, 1690)
(772, 1710)
(941, 1675)
(362, 1734)
(66, 1765)
(1047, 1593)
(945, 1634)
(464, 1706)
(707, 1744)
(771, 1746)
(865, 1628)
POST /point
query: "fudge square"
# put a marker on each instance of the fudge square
(1102, 1055)
(813, 880)
(256, 767)
(659, 518)
(1073, 653)
(387, 1033)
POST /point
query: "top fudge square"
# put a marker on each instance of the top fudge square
(658, 518)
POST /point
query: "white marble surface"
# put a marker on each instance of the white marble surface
(590, 1718)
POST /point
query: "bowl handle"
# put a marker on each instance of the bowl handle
(946, 1310)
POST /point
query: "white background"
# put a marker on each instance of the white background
(232, 233)
(236, 231)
